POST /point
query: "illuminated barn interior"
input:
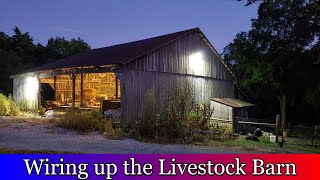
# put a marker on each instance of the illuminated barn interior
(125, 73)
(90, 89)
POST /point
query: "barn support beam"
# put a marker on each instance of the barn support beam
(55, 87)
(234, 121)
(76, 71)
(81, 90)
(117, 86)
(73, 78)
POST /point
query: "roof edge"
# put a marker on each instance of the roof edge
(216, 52)
(139, 56)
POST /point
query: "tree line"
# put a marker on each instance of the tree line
(19, 52)
(277, 62)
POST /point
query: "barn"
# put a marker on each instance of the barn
(124, 73)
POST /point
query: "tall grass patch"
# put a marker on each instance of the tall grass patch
(89, 121)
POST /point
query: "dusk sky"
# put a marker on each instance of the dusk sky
(103, 23)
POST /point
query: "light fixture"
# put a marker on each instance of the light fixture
(196, 63)
(32, 86)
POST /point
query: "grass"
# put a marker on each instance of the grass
(291, 144)
(302, 144)
(15, 151)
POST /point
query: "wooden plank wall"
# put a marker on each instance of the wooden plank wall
(174, 58)
(135, 84)
(220, 111)
(19, 93)
(165, 68)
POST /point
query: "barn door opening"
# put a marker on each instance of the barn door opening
(90, 89)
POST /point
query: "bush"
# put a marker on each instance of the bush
(174, 116)
(146, 126)
(14, 109)
(89, 121)
(80, 121)
(4, 105)
(220, 133)
(170, 122)
(42, 111)
(176, 120)
(7, 106)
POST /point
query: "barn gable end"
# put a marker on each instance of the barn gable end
(170, 65)
(174, 57)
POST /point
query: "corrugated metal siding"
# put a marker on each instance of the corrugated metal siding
(174, 58)
(135, 84)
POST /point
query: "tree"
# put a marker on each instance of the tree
(10, 63)
(279, 53)
(58, 47)
(19, 53)
(22, 44)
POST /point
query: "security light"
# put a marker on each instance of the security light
(32, 86)
(196, 63)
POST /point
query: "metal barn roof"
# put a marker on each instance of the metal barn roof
(120, 54)
(116, 54)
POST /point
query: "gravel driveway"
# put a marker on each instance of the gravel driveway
(39, 134)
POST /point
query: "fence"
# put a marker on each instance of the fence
(305, 135)
(254, 121)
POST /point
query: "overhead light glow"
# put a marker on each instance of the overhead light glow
(32, 86)
(196, 63)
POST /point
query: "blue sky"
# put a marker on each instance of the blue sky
(107, 22)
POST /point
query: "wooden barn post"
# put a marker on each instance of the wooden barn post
(234, 120)
(117, 86)
(81, 90)
(73, 78)
(277, 128)
(55, 87)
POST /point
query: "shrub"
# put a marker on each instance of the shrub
(14, 109)
(176, 120)
(132, 130)
(79, 121)
(220, 133)
(170, 122)
(198, 123)
(174, 116)
(4, 105)
(146, 126)
(7, 106)
(42, 111)
(89, 121)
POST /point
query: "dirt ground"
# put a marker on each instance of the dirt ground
(39, 134)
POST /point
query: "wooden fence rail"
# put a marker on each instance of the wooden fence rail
(267, 122)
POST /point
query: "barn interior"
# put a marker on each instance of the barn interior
(90, 89)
